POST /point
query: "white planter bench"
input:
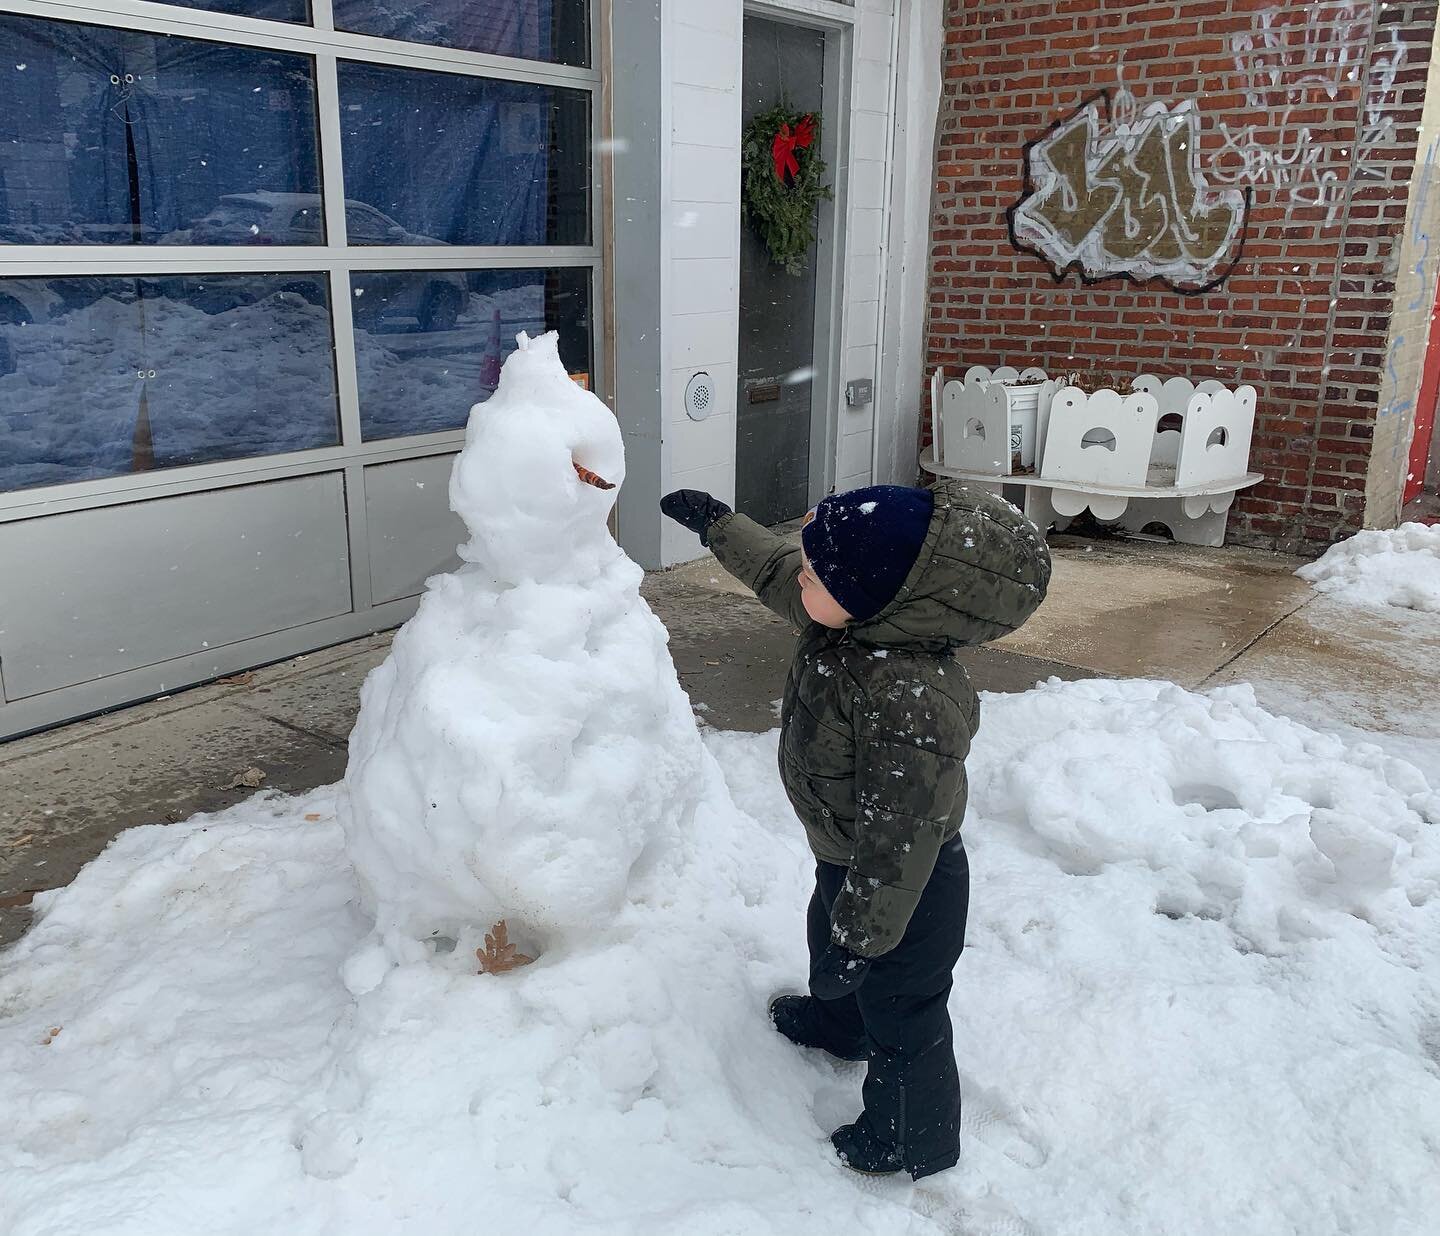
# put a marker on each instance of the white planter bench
(1119, 455)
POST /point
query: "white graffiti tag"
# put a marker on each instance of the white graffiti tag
(1290, 159)
(1379, 126)
(1129, 200)
(1295, 50)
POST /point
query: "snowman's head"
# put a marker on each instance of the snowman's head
(525, 484)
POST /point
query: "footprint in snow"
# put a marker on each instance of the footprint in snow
(985, 1116)
(835, 1104)
(992, 1217)
(963, 1204)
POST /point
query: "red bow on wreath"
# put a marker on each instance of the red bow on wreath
(786, 143)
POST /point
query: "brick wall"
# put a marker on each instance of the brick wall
(1311, 109)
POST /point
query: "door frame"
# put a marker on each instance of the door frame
(837, 23)
(1422, 437)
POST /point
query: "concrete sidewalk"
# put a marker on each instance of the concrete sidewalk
(1116, 608)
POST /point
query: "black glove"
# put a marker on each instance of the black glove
(838, 973)
(694, 509)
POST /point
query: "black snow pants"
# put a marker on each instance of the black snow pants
(912, 1089)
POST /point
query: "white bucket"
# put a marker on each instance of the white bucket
(1024, 412)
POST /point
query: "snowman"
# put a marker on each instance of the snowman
(525, 751)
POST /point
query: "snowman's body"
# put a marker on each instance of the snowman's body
(527, 741)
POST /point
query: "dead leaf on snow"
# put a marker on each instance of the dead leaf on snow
(312, 816)
(499, 954)
(51, 1035)
(250, 779)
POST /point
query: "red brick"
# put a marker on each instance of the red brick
(1013, 70)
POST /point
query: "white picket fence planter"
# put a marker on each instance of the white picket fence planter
(1117, 454)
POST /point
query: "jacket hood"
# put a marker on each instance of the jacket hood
(982, 570)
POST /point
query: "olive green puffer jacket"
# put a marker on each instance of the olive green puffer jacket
(878, 718)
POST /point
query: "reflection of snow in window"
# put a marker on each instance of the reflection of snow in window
(421, 374)
(242, 365)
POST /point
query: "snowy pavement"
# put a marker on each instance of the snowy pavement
(1201, 993)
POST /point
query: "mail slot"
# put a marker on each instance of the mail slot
(768, 393)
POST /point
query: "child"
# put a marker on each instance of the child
(877, 720)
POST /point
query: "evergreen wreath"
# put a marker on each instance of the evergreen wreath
(782, 182)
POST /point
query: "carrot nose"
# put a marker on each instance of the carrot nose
(590, 478)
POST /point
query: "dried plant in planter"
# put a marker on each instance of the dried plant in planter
(499, 954)
(1091, 380)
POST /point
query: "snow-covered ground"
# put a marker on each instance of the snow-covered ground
(1201, 993)
(1396, 567)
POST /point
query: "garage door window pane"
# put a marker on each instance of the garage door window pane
(117, 137)
(275, 10)
(102, 376)
(430, 344)
(554, 30)
(442, 158)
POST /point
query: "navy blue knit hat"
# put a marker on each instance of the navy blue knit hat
(862, 544)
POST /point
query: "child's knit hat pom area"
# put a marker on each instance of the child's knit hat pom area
(862, 544)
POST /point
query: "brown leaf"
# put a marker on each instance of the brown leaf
(499, 954)
(238, 680)
(250, 779)
(312, 816)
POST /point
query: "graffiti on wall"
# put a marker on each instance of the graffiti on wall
(1126, 197)
(1287, 157)
(1293, 50)
(1379, 125)
(1393, 392)
(1292, 57)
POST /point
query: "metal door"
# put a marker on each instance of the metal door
(777, 310)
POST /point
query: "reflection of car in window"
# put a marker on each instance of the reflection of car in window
(435, 300)
(364, 226)
(23, 302)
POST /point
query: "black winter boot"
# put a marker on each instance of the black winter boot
(795, 1018)
(861, 1151)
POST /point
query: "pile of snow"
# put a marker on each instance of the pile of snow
(1201, 993)
(527, 742)
(1399, 567)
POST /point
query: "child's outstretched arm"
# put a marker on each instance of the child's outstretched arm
(765, 563)
(911, 740)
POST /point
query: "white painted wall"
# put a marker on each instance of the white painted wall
(885, 237)
(700, 250)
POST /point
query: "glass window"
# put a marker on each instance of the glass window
(101, 376)
(554, 30)
(430, 344)
(450, 159)
(117, 137)
(275, 10)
